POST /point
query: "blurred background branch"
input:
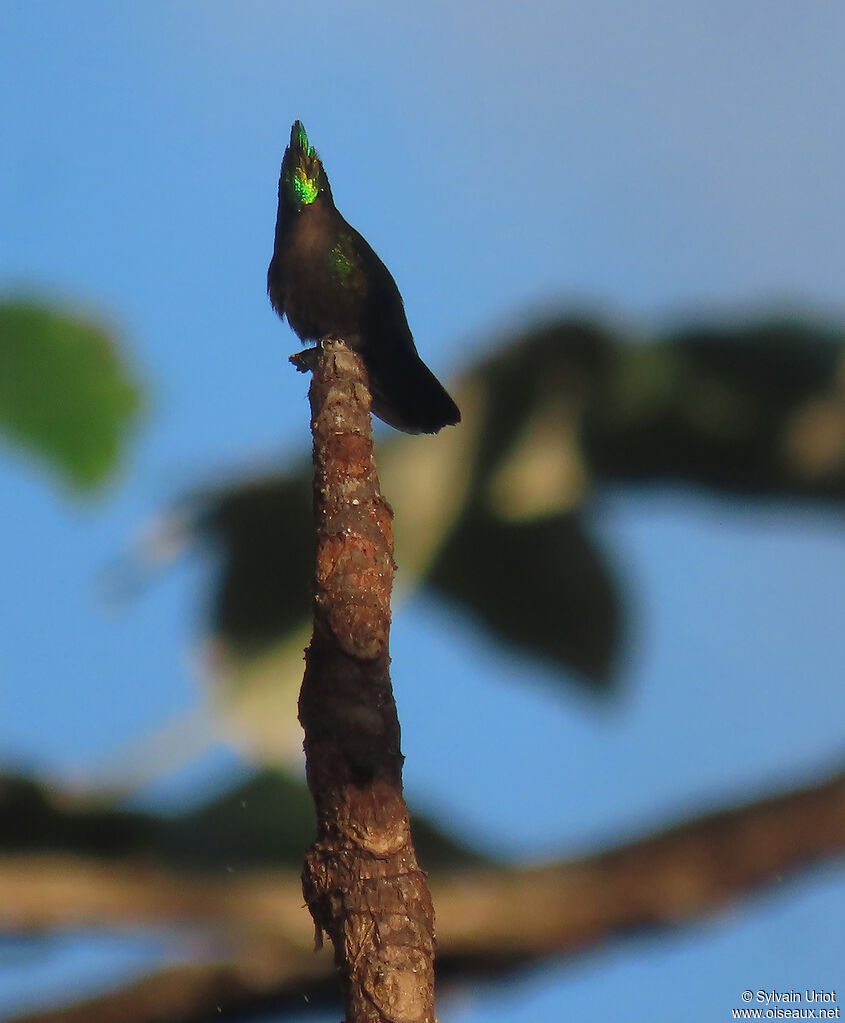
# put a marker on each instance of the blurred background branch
(490, 918)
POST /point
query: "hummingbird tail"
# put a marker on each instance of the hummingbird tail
(406, 394)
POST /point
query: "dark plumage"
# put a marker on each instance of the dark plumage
(328, 282)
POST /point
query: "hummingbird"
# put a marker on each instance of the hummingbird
(328, 282)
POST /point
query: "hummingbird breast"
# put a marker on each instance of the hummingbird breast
(324, 288)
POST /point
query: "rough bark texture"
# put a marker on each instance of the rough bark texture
(490, 920)
(361, 879)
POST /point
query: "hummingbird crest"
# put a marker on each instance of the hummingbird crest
(303, 179)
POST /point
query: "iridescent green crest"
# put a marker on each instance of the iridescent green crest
(302, 171)
(305, 189)
(299, 139)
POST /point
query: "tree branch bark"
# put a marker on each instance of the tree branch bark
(361, 879)
(490, 919)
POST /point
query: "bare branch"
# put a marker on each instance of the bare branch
(361, 878)
(39, 893)
(199, 992)
(488, 919)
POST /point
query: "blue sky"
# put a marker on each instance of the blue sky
(645, 160)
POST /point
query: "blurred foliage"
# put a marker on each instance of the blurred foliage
(556, 412)
(492, 518)
(265, 821)
(753, 411)
(65, 393)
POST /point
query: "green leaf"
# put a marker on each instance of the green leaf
(65, 393)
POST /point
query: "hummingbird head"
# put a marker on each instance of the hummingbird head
(303, 180)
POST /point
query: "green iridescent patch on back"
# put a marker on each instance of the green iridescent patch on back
(343, 258)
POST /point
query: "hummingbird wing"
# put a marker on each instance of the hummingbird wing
(406, 394)
(275, 286)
